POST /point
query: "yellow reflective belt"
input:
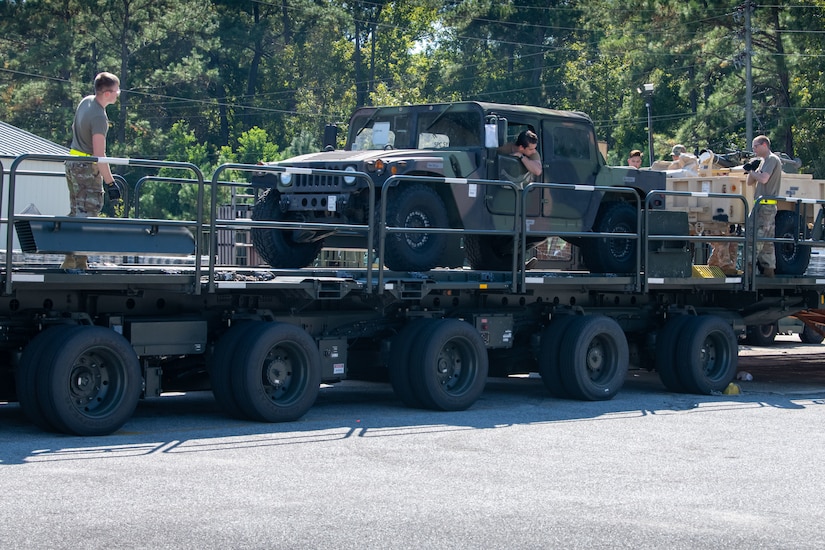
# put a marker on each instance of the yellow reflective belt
(76, 153)
(767, 201)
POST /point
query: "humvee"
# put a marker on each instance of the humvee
(452, 140)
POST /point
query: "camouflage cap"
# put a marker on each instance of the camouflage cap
(678, 150)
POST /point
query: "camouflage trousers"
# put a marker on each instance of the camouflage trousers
(85, 189)
(85, 201)
(766, 228)
(724, 255)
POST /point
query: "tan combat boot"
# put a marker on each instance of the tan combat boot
(69, 262)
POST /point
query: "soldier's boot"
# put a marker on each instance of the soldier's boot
(720, 257)
(733, 252)
(81, 262)
(69, 262)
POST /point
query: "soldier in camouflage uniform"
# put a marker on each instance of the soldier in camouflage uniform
(724, 255)
(767, 179)
(682, 160)
(86, 179)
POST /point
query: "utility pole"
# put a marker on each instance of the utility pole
(748, 80)
(649, 131)
(646, 90)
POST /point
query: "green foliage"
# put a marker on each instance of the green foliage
(212, 81)
(174, 194)
(254, 146)
(301, 144)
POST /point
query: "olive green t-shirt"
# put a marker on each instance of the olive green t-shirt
(772, 165)
(89, 119)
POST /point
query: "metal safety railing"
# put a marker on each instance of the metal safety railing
(473, 187)
(528, 228)
(58, 221)
(724, 239)
(792, 251)
(367, 229)
(512, 218)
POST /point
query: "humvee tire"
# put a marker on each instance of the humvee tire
(275, 245)
(606, 255)
(415, 206)
(791, 259)
(489, 253)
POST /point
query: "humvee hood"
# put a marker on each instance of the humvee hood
(354, 157)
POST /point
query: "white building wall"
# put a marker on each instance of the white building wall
(46, 190)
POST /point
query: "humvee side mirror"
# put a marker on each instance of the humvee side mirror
(330, 137)
(502, 131)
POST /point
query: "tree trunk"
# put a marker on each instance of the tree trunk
(360, 94)
(783, 95)
(254, 65)
(124, 96)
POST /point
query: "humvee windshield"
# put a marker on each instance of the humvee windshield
(417, 127)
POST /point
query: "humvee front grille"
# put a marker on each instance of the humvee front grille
(318, 182)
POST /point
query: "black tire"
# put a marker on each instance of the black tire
(606, 255)
(762, 335)
(401, 352)
(415, 206)
(594, 358)
(791, 259)
(276, 373)
(220, 367)
(91, 382)
(276, 246)
(29, 371)
(490, 253)
(666, 341)
(549, 355)
(810, 336)
(707, 355)
(453, 366)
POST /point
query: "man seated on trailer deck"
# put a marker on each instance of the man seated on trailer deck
(682, 160)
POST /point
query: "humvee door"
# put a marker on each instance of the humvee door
(569, 155)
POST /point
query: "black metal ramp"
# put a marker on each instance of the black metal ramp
(82, 235)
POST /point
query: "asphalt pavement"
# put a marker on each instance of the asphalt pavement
(520, 469)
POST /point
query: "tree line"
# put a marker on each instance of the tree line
(211, 81)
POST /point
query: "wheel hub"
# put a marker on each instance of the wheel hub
(621, 248)
(416, 219)
(448, 366)
(595, 359)
(278, 372)
(86, 381)
(708, 355)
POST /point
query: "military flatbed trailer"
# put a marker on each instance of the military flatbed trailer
(80, 349)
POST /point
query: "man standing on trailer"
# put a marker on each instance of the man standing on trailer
(767, 177)
(86, 179)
